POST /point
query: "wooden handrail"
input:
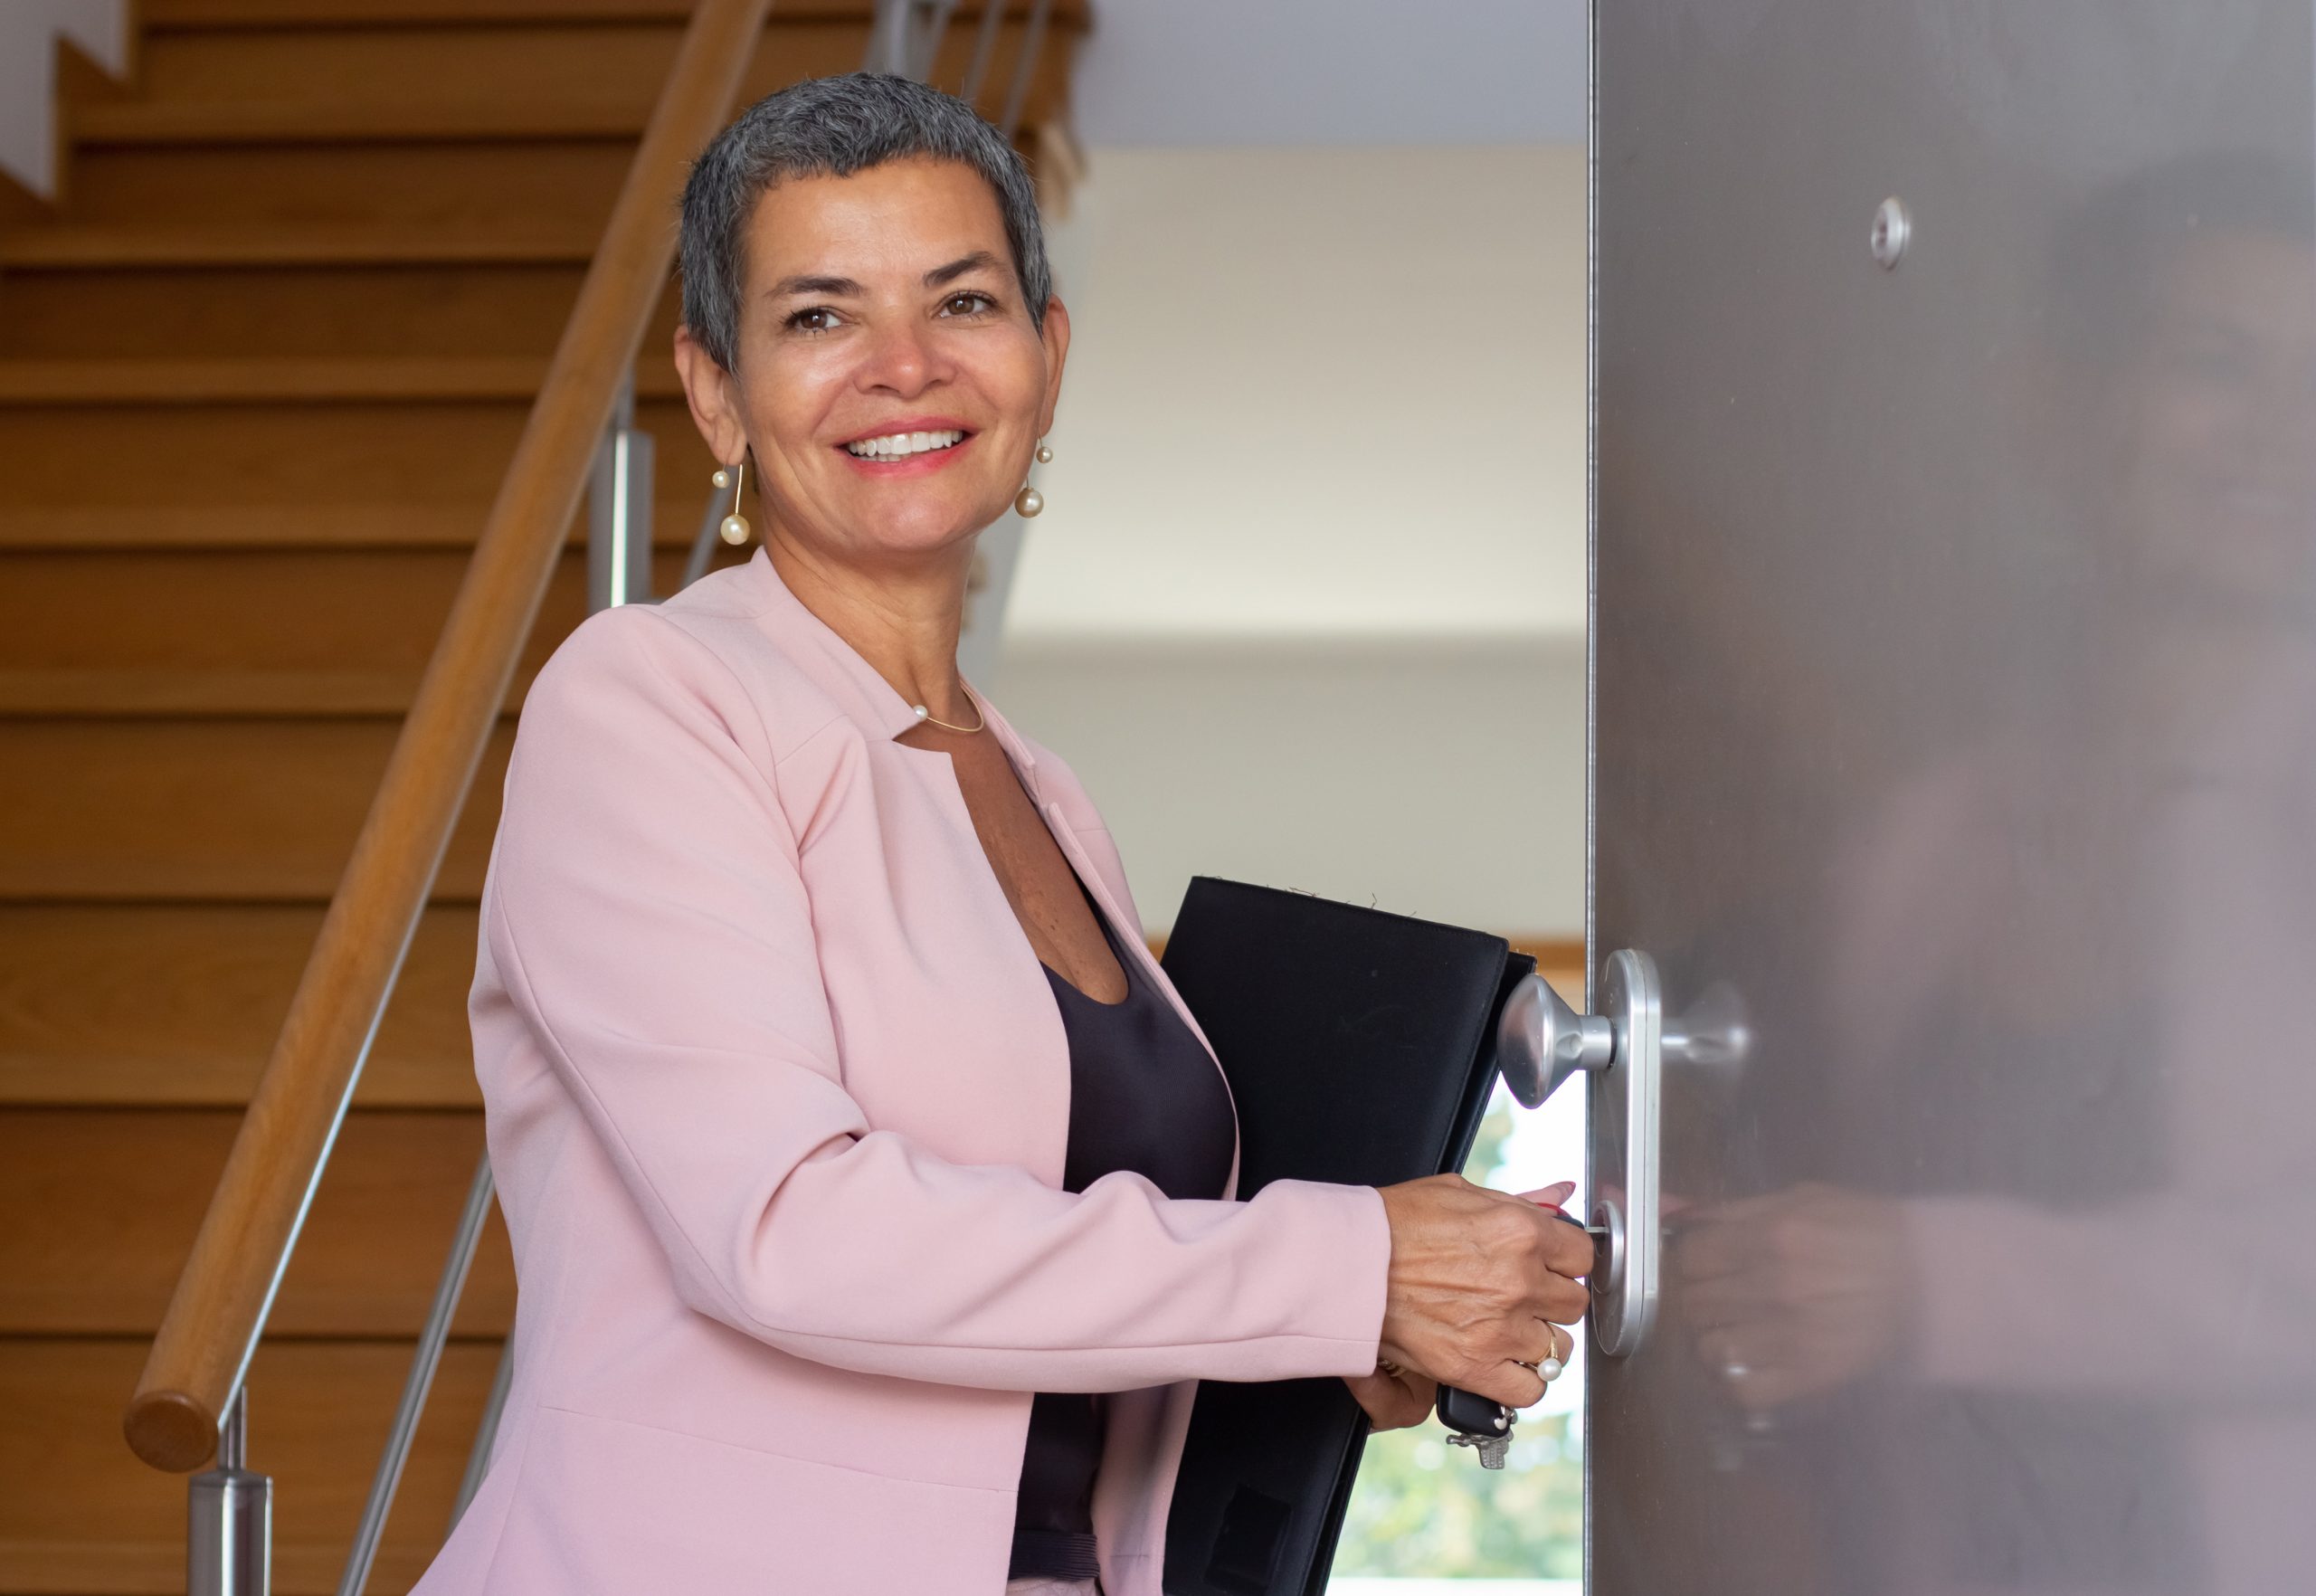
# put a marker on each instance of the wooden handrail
(220, 1306)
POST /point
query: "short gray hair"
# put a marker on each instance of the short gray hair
(834, 128)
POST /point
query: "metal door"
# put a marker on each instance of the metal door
(1955, 704)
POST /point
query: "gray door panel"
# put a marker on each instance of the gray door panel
(1955, 701)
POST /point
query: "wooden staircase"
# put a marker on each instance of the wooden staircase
(262, 369)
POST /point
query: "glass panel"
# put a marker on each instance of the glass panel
(1424, 1512)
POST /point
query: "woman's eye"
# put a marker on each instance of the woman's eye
(967, 305)
(813, 318)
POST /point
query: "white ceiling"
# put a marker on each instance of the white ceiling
(1333, 73)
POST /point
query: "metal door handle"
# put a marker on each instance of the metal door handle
(1541, 1043)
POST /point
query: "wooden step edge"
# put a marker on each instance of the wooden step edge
(30, 1081)
(243, 121)
(108, 1564)
(106, 246)
(288, 528)
(25, 1317)
(186, 15)
(196, 694)
(171, 16)
(514, 118)
(267, 380)
(225, 887)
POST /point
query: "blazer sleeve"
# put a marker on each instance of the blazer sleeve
(646, 914)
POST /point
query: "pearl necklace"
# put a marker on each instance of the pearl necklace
(925, 715)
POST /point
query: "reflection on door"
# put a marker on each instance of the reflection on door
(1956, 647)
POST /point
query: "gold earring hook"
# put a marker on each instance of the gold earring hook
(734, 528)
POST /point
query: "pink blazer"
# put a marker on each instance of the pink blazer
(777, 1097)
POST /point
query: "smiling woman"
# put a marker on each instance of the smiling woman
(869, 1185)
(879, 357)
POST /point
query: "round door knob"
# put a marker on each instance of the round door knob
(1540, 1041)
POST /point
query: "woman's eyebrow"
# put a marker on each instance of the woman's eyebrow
(788, 286)
(940, 276)
(846, 286)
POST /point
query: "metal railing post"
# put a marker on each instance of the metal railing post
(992, 17)
(1025, 67)
(424, 1362)
(486, 1432)
(925, 43)
(710, 533)
(888, 38)
(619, 509)
(229, 1527)
(904, 37)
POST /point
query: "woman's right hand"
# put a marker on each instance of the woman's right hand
(1477, 1279)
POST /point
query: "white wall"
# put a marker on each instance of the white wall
(1319, 393)
(1307, 604)
(29, 30)
(1428, 779)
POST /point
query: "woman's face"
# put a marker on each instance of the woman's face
(892, 385)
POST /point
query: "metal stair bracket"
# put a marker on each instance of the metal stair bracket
(1541, 1043)
(229, 1526)
(905, 36)
(619, 509)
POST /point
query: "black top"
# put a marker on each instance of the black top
(1144, 1095)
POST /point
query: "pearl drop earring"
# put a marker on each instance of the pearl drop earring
(734, 528)
(1030, 502)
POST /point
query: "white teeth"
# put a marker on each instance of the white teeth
(895, 445)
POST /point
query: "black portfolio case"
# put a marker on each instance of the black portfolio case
(1361, 1048)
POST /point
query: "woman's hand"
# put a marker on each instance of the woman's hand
(1395, 1400)
(1479, 1279)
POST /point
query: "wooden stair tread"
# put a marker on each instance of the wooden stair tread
(290, 378)
(273, 312)
(513, 240)
(247, 811)
(318, 14)
(424, 79)
(421, 79)
(145, 1004)
(229, 693)
(80, 1512)
(292, 611)
(292, 454)
(532, 193)
(50, 528)
(179, 15)
(122, 1191)
(234, 121)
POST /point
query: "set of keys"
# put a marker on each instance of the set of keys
(1480, 1423)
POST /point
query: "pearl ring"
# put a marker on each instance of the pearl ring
(1549, 1367)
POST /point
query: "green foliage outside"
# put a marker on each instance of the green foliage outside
(1424, 1509)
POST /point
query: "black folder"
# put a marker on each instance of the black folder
(1361, 1048)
